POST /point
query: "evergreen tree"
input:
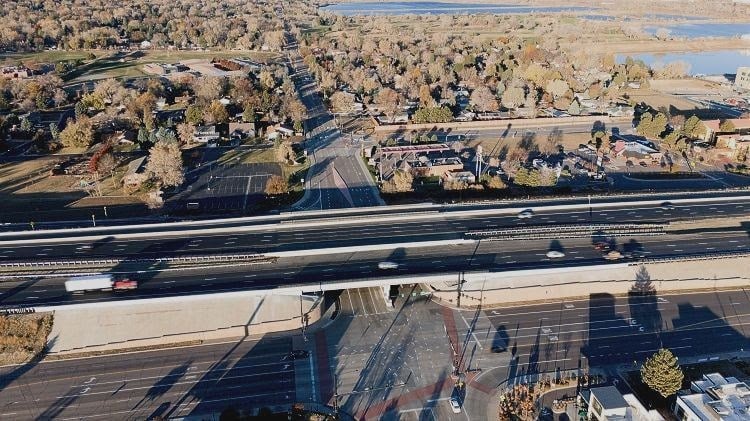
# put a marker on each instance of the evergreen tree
(662, 373)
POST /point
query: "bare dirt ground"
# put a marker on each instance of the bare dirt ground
(656, 46)
(494, 144)
(689, 87)
(23, 336)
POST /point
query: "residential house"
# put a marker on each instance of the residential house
(606, 403)
(206, 134)
(460, 175)
(714, 397)
(241, 130)
(620, 111)
(713, 128)
(136, 173)
(424, 166)
(15, 72)
(279, 132)
(399, 118)
(126, 137)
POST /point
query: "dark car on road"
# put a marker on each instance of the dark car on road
(297, 354)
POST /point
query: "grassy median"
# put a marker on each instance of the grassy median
(23, 336)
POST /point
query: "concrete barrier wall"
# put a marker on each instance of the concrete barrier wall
(153, 322)
(617, 279)
(501, 124)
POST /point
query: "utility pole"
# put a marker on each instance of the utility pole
(461, 280)
(479, 162)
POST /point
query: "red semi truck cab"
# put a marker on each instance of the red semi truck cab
(124, 284)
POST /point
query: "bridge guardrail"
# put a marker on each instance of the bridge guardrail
(174, 259)
(567, 231)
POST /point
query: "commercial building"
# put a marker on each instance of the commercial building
(742, 79)
(714, 397)
(608, 404)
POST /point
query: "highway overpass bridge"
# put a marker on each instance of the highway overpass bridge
(312, 252)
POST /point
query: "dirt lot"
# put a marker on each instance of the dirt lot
(656, 46)
(493, 144)
(688, 87)
(23, 336)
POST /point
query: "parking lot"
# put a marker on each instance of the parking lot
(226, 187)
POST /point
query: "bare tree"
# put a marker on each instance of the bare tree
(389, 101)
(484, 100)
(276, 185)
(186, 133)
(513, 97)
(165, 164)
(342, 102)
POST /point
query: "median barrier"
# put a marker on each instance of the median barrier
(567, 231)
(176, 259)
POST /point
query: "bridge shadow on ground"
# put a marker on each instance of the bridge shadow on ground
(690, 330)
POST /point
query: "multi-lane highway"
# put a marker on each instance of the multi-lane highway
(344, 266)
(273, 235)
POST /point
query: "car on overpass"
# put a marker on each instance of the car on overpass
(613, 255)
(526, 214)
(387, 265)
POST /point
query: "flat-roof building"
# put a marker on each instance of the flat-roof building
(714, 398)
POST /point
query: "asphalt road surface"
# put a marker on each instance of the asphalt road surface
(338, 177)
(374, 354)
(286, 237)
(315, 270)
(170, 383)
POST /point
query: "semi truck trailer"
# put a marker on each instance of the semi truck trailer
(81, 284)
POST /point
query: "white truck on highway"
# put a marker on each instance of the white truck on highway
(81, 284)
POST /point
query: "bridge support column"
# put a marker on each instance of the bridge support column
(386, 295)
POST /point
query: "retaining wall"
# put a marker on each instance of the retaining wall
(617, 279)
(157, 322)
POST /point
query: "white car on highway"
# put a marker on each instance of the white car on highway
(387, 265)
(554, 254)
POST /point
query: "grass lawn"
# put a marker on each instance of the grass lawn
(110, 66)
(43, 57)
(29, 193)
(23, 336)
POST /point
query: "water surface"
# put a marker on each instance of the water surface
(701, 63)
(439, 8)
